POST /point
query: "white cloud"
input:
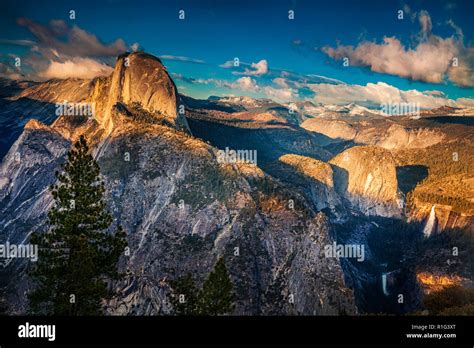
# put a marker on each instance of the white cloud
(431, 60)
(375, 94)
(372, 95)
(245, 83)
(259, 68)
(248, 84)
(254, 69)
(85, 68)
(428, 62)
(280, 81)
(466, 102)
(227, 64)
(280, 94)
(463, 74)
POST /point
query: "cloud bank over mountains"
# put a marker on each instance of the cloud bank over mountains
(434, 59)
(373, 95)
(85, 68)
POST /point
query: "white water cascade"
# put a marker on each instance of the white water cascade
(431, 223)
(384, 284)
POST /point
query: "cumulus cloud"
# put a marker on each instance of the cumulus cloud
(85, 68)
(280, 81)
(284, 94)
(373, 95)
(253, 69)
(463, 73)
(429, 62)
(433, 59)
(245, 83)
(248, 84)
(257, 69)
(466, 102)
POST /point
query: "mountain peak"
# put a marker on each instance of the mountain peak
(138, 78)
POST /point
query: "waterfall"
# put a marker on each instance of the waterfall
(431, 223)
(384, 284)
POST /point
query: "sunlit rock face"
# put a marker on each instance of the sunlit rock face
(319, 183)
(366, 177)
(138, 78)
(384, 133)
(435, 282)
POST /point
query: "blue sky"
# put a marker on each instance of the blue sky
(214, 32)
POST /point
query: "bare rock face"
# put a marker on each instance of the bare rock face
(366, 177)
(399, 137)
(318, 170)
(138, 78)
(25, 172)
(334, 129)
(320, 179)
(58, 91)
(384, 133)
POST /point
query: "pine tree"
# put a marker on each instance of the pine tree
(184, 296)
(216, 296)
(77, 256)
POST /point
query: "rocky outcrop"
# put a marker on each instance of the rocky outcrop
(366, 177)
(399, 137)
(57, 91)
(138, 78)
(335, 129)
(382, 133)
(320, 184)
(25, 173)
